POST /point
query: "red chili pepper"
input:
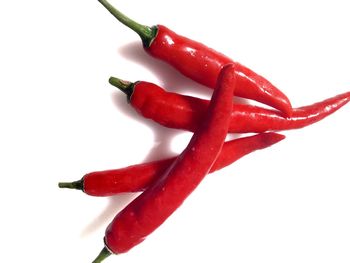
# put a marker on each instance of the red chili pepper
(136, 178)
(152, 207)
(178, 111)
(201, 63)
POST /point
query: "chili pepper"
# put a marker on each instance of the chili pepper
(178, 111)
(136, 178)
(201, 63)
(152, 207)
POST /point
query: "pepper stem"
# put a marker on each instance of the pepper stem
(125, 86)
(78, 185)
(146, 33)
(105, 253)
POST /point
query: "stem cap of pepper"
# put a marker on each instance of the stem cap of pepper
(146, 33)
(78, 185)
(105, 253)
(125, 86)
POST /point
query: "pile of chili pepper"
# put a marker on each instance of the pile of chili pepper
(165, 184)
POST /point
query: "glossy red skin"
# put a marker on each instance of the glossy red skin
(132, 178)
(203, 64)
(152, 207)
(137, 178)
(178, 111)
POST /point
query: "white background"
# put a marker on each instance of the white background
(60, 119)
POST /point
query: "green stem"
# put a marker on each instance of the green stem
(105, 253)
(125, 86)
(78, 185)
(146, 33)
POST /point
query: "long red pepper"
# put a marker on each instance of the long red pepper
(201, 63)
(152, 207)
(136, 178)
(178, 111)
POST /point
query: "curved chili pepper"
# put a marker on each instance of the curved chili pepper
(152, 207)
(201, 63)
(178, 111)
(137, 178)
